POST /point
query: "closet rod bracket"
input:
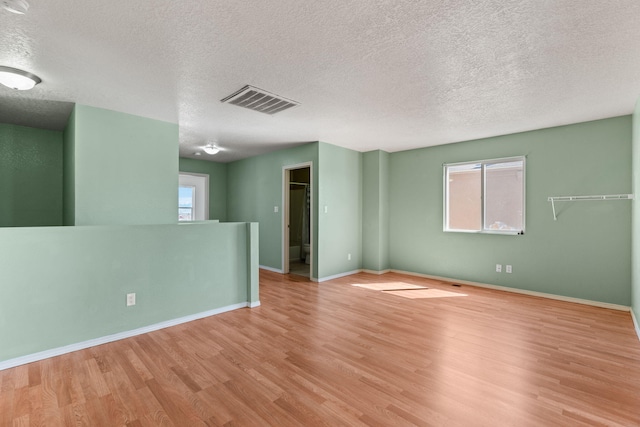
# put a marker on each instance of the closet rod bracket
(600, 197)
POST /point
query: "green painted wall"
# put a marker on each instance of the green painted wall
(253, 263)
(69, 177)
(254, 187)
(635, 274)
(125, 168)
(217, 184)
(585, 254)
(64, 285)
(340, 227)
(385, 261)
(375, 210)
(30, 177)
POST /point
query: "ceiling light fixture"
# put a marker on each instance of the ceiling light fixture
(15, 6)
(18, 79)
(211, 149)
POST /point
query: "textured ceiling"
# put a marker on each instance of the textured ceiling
(390, 75)
(23, 111)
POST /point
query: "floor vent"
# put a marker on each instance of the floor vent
(259, 100)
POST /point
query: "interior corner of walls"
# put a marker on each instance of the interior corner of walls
(272, 269)
(376, 272)
(636, 322)
(337, 276)
(70, 121)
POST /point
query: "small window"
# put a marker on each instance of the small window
(186, 203)
(193, 197)
(485, 196)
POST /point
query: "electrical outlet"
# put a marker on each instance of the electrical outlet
(349, 257)
(498, 268)
(131, 299)
(509, 269)
(326, 209)
(275, 209)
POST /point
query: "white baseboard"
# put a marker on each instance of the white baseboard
(337, 276)
(378, 272)
(254, 304)
(635, 323)
(275, 270)
(23, 360)
(520, 291)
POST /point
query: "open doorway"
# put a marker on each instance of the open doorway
(193, 197)
(298, 220)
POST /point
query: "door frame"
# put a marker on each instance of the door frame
(201, 183)
(286, 178)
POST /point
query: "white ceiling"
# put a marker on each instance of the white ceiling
(391, 75)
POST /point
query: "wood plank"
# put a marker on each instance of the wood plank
(337, 354)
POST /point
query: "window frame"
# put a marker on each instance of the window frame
(483, 207)
(193, 203)
(201, 195)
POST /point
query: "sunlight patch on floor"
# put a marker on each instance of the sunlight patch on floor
(425, 293)
(389, 286)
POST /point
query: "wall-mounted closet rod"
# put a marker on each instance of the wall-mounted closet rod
(299, 183)
(599, 197)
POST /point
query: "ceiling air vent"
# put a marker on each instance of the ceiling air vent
(259, 100)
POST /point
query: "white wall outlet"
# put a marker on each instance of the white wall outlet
(326, 209)
(131, 299)
(509, 269)
(349, 257)
(498, 268)
(275, 209)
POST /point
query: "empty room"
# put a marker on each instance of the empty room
(331, 213)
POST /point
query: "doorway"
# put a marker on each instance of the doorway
(297, 239)
(193, 197)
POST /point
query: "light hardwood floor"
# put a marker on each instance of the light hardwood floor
(333, 354)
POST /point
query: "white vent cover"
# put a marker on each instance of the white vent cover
(259, 100)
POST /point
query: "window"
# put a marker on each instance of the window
(485, 196)
(193, 197)
(186, 203)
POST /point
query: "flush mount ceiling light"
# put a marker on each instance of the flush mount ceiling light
(18, 79)
(15, 6)
(211, 149)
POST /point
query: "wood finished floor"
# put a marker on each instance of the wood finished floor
(333, 354)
